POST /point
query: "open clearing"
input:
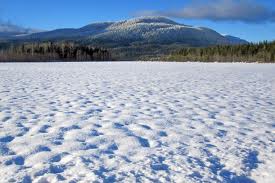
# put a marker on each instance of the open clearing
(137, 122)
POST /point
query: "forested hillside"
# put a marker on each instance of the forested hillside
(260, 52)
(49, 51)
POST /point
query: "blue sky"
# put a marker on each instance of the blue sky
(52, 14)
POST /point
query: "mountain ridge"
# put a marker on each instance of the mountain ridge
(147, 30)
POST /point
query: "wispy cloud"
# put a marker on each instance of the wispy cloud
(6, 26)
(9, 27)
(247, 11)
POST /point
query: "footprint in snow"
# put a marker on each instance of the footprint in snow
(6, 139)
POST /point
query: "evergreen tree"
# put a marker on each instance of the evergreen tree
(49, 51)
(260, 52)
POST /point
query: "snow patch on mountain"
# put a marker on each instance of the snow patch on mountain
(157, 29)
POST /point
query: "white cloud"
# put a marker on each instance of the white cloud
(221, 10)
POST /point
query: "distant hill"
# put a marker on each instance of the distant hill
(144, 30)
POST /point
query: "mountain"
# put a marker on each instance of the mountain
(235, 40)
(143, 30)
(138, 38)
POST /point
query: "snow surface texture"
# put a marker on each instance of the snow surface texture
(137, 122)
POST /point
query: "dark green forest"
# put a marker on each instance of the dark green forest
(50, 51)
(263, 52)
(253, 52)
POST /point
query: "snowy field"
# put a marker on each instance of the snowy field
(137, 122)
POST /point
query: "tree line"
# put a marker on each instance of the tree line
(252, 52)
(50, 51)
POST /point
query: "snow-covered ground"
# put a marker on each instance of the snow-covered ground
(137, 122)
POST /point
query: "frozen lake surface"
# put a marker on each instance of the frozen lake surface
(137, 122)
